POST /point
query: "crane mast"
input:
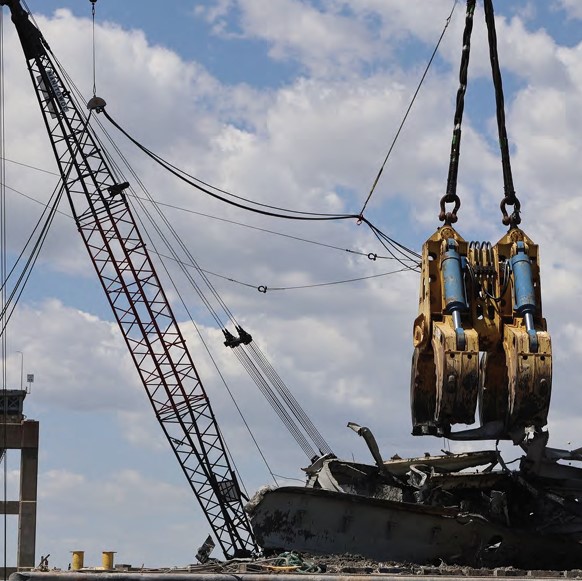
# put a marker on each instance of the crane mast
(120, 257)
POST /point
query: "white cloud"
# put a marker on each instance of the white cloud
(572, 8)
(80, 362)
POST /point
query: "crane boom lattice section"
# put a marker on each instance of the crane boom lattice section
(118, 252)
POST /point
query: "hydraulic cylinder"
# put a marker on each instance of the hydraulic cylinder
(524, 299)
(454, 288)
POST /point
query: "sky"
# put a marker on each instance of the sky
(292, 103)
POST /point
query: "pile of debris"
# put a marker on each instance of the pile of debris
(458, 509)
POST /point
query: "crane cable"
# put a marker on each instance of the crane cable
(292, 403)
(397, 135)
(291, 214)
(509, 199)
(43, 227)
(3, 341)
(275, 403)
(373, 256)
(273, 211)
(93, 46)
(451, 197)
(262, 288)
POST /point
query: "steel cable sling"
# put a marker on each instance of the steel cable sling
(509, 199)
(451, 196)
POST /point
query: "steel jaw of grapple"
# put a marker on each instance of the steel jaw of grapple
(445, 366)
(526, 342)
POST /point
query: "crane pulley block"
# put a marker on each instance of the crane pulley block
(480, 339)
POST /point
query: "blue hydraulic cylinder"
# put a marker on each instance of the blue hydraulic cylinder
(524, 298)
(454, 288)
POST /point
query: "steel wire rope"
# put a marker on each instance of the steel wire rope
(406, 253)
(176, 171)
(261, 287)
(380, 236)
(27, 270)
(320, 217)
(177, 259)
(398, 246)
(287, 398)
(397, 135)
(3, 270)
(292, 402)
(401, 248)
(30, 166)
(46, 208)
(510, 199)
(369, 255)
(275, 404)
(43, 204)
(451, 196)
(264, 289)
(195, 182)
(94, 48)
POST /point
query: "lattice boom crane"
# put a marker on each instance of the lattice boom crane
(118, 252)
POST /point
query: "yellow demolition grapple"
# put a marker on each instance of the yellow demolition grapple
(480, 341)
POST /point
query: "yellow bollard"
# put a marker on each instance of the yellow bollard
(107, 559)
(77, 560)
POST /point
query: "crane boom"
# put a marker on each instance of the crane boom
(109, 230)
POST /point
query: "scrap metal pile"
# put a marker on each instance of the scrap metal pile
(466, 509)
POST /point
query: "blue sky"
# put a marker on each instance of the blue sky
(292, 103)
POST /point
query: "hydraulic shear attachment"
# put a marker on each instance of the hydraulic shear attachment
(480, 340)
